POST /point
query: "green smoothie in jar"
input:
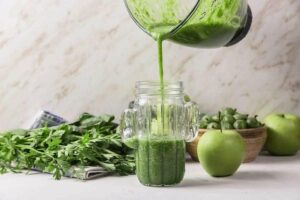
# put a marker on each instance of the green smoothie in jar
(160, 161)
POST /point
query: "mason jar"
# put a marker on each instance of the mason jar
(157, 127)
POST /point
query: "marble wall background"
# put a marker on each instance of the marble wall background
(74, 56)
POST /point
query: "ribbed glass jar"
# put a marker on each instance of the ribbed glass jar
(157, 128)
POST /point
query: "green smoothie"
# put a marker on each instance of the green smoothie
(213, 24)
(160, 62)
(160, 161)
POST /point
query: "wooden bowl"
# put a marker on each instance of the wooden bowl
(254, 138)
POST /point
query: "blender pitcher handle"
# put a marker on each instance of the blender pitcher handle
(192, 118)
(128, 125)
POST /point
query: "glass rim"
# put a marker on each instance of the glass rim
(157, 83)
(153, 88)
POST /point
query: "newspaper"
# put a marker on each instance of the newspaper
(43, 118)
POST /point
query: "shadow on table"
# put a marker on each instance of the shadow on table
(239, 176)
(198, 182)
(253, 175)
(265, 158)
(189, 160)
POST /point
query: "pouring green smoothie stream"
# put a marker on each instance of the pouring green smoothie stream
(161, 122)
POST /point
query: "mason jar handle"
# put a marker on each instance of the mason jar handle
(192, 118)
(128, 124)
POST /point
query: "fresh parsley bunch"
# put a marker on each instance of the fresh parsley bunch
(90, 141)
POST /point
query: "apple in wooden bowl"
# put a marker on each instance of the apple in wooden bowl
(253, 132)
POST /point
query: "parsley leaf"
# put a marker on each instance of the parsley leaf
(90, 141)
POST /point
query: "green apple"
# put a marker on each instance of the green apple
(283, 134)
(221, 152)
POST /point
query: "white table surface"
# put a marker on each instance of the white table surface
(266, 178)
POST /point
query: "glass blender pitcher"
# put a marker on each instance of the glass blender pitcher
(157, 128)
(195, 23)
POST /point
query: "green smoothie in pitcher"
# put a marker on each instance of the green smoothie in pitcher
(160, 154)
